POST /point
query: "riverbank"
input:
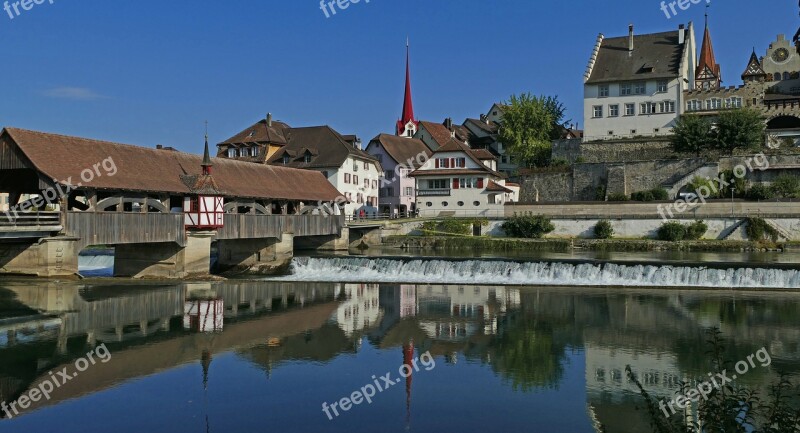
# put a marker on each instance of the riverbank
(458, 243)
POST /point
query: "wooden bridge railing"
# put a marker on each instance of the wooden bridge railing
(29, 220)
(111, 228)
(238, 226)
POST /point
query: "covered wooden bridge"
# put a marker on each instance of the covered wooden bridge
(160, 208)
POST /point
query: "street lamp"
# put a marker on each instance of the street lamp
(733, 190)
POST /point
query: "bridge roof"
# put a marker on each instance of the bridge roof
(59, 157)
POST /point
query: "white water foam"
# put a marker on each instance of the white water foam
(96, 266)
(358, 270)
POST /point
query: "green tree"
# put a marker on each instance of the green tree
(692, 134)
(529, 125)
(786, 186)
(741, 128)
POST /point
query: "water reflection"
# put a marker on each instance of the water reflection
(568, 346)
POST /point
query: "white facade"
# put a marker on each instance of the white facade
(461, 186)
(359, 181)
(361, 310)
(640, 106)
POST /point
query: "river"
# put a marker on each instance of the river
(492, 343)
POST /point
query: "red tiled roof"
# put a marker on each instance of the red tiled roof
(402, 149)
(496, 187)
(150, 170)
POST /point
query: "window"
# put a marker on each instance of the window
(254, 151)
(625, 89)
(656, 130)
(597, 111)
(347, 178)
(777, 76)
(694, 105)
(639, 88)
(461, 203)
(603, 91)
(630, 109)
(661, 86)
(359, 198)
(429, 204)
(437, 184)
(468, 182)
(366, 183)
(633, 132)
(285, 159)
(390, 192)
(476, 203)
(355, 180)
(390, 174)
(734, 102)
(231, 153)
(383, 192)
(374, 184)
(307, 158)
(355, 166)
(409, 191)
(666, 107)
(713, 104)
(366, 167)
(613, 110)
(647, 108)
(445, 204)
(786, 76)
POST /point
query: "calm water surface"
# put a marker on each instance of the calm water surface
(248, 356)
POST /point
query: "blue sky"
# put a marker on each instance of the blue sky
(151, 72)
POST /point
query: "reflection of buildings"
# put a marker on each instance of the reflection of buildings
(457, 312)
(203, 310)
(361, 310)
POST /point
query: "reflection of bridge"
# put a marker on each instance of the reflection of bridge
(255, 313)
(160, 209)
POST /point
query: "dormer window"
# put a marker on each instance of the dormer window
(231, 153)
(254, 151)
(285, 159)
(307, 158)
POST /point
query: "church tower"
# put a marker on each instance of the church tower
(708, 75)
(407, 125)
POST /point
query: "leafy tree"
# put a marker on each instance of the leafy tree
(741, 128)
(692, 134)
(528, 226)
(529, 125)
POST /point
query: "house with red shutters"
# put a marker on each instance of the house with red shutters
(460, 181)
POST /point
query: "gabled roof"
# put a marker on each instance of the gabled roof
(402, 149)
(487, 127)
(260, 133)
(659, 51)
(496, 187)
(457, 146)
(483, 154)
(143, 169)
(441, 135)
(754, 68)
(329, 148)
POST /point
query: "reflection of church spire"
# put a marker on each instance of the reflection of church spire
(205, 361)
(408, 358)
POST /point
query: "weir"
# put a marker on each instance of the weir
(536, 273)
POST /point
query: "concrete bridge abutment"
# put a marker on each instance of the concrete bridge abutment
(265, 256)
(167, 259)
(47, 257)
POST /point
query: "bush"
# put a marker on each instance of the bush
(758, 230)
(760, 192)
(696, 230)
(617, 197)
(655, 194)
(603, 230)
(452, 226)
(672, 231)
(786, 186)
(528, 226)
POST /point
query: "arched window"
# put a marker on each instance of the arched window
(777, 76)
(787, 76)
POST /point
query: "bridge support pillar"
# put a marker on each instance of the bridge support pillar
(165, 260)
(256, 256)
(50, 257)
(325, 243)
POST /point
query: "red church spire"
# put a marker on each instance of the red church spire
(408, 105)
(708, 71)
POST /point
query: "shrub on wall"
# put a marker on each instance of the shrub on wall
(786, 186)
(603, 230)
(696, 230)
(672, 231)
(758, 230)
(528, 226)
(617, 197)
(760, 192)
(452, 226)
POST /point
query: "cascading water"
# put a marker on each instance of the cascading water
(96, 265)
(349, 269)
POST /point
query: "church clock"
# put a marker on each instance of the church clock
(780, 55)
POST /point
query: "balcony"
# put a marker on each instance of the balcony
(433, 193)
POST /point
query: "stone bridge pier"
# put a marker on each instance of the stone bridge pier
(47, 257)
(167, 259)
(261, 256)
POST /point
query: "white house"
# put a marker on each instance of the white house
(634, 85)
(459, 181)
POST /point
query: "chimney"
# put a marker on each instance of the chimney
(159, 147)
(484, 119)
(269, 119)
(681, 34)
(448, 123)
(630, 37)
